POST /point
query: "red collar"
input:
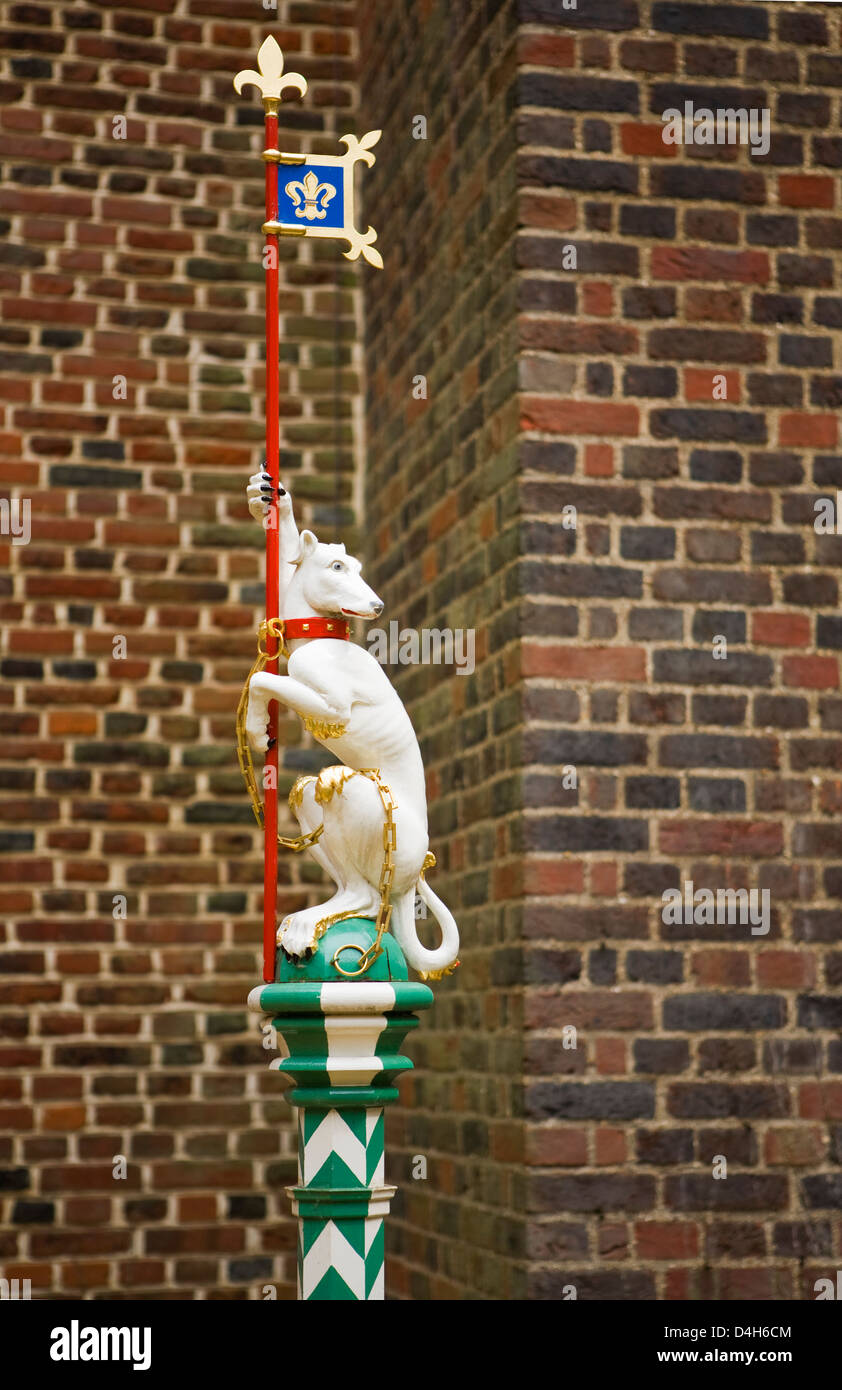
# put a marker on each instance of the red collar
(339, 628)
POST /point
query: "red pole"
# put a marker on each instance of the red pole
(273, 390)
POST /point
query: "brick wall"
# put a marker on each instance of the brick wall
(593, 388)
(445, 523)
(546, 388)
(141, 257)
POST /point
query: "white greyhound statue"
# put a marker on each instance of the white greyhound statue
(347, 702)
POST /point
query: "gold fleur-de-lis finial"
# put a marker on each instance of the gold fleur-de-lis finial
(271, 80)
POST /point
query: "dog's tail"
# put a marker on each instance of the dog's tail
(430, 964)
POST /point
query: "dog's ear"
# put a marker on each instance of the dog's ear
(307, 544)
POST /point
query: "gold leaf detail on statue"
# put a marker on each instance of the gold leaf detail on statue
(330, 780)
(296, 795)
(323, 728)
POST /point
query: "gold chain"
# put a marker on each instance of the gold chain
(387, 874)
(300, 842)
(273, 627)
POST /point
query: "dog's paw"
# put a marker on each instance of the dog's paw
(297, 936)
(259, 496)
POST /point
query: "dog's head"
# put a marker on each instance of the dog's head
(331, 581)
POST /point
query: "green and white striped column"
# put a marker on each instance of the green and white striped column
(342, 1039)
(340, 1203)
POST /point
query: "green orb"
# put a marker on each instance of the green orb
(359, 932)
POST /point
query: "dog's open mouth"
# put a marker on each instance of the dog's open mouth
(352, 613)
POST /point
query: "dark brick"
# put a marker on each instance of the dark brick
(727, 21)
(708, 625)
(775, 229)
(717, 750)
(780, 711)
(735, 1145)
(649, 302)
(655, 967)
(650, 381)
(613, 15)
(803, 27)
(703, 668)
(577, 93)
(663, 1056)
(803, 1239)
(647, 543)
(715, 466)
(726, 1054)
(660, 793)
(580, 833)
(33, 1213)
(798, 351)
(819, 1011)
(602, 966)
(822, 1190)
(734, 1012)
(715, 1099)
(665, 1146)
(708, 424)
(600, 1192)
(588, 175)
(691, 181)
(719, 709)
(791, 1055)
(640, 220)
(603, 1100)
(737, 1192)
(716, 794)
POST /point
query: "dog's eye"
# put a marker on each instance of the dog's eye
(337, 565)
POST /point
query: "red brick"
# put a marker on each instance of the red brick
(700, 384)
(666, 1240)
(811, 672)
(646, 139)
(705, 263)
(820, 1100)
(599, 460)
(728, 968)
(805, 191)
(780, 629)
(720, 836)
(805, 431)
(546, 50)
(584, 663)
(785, 969)
(556, 1146)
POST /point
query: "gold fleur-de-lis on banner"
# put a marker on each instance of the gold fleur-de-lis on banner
(316, 196)
(271, 81)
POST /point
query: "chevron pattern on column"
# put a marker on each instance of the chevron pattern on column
(341, 1201)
